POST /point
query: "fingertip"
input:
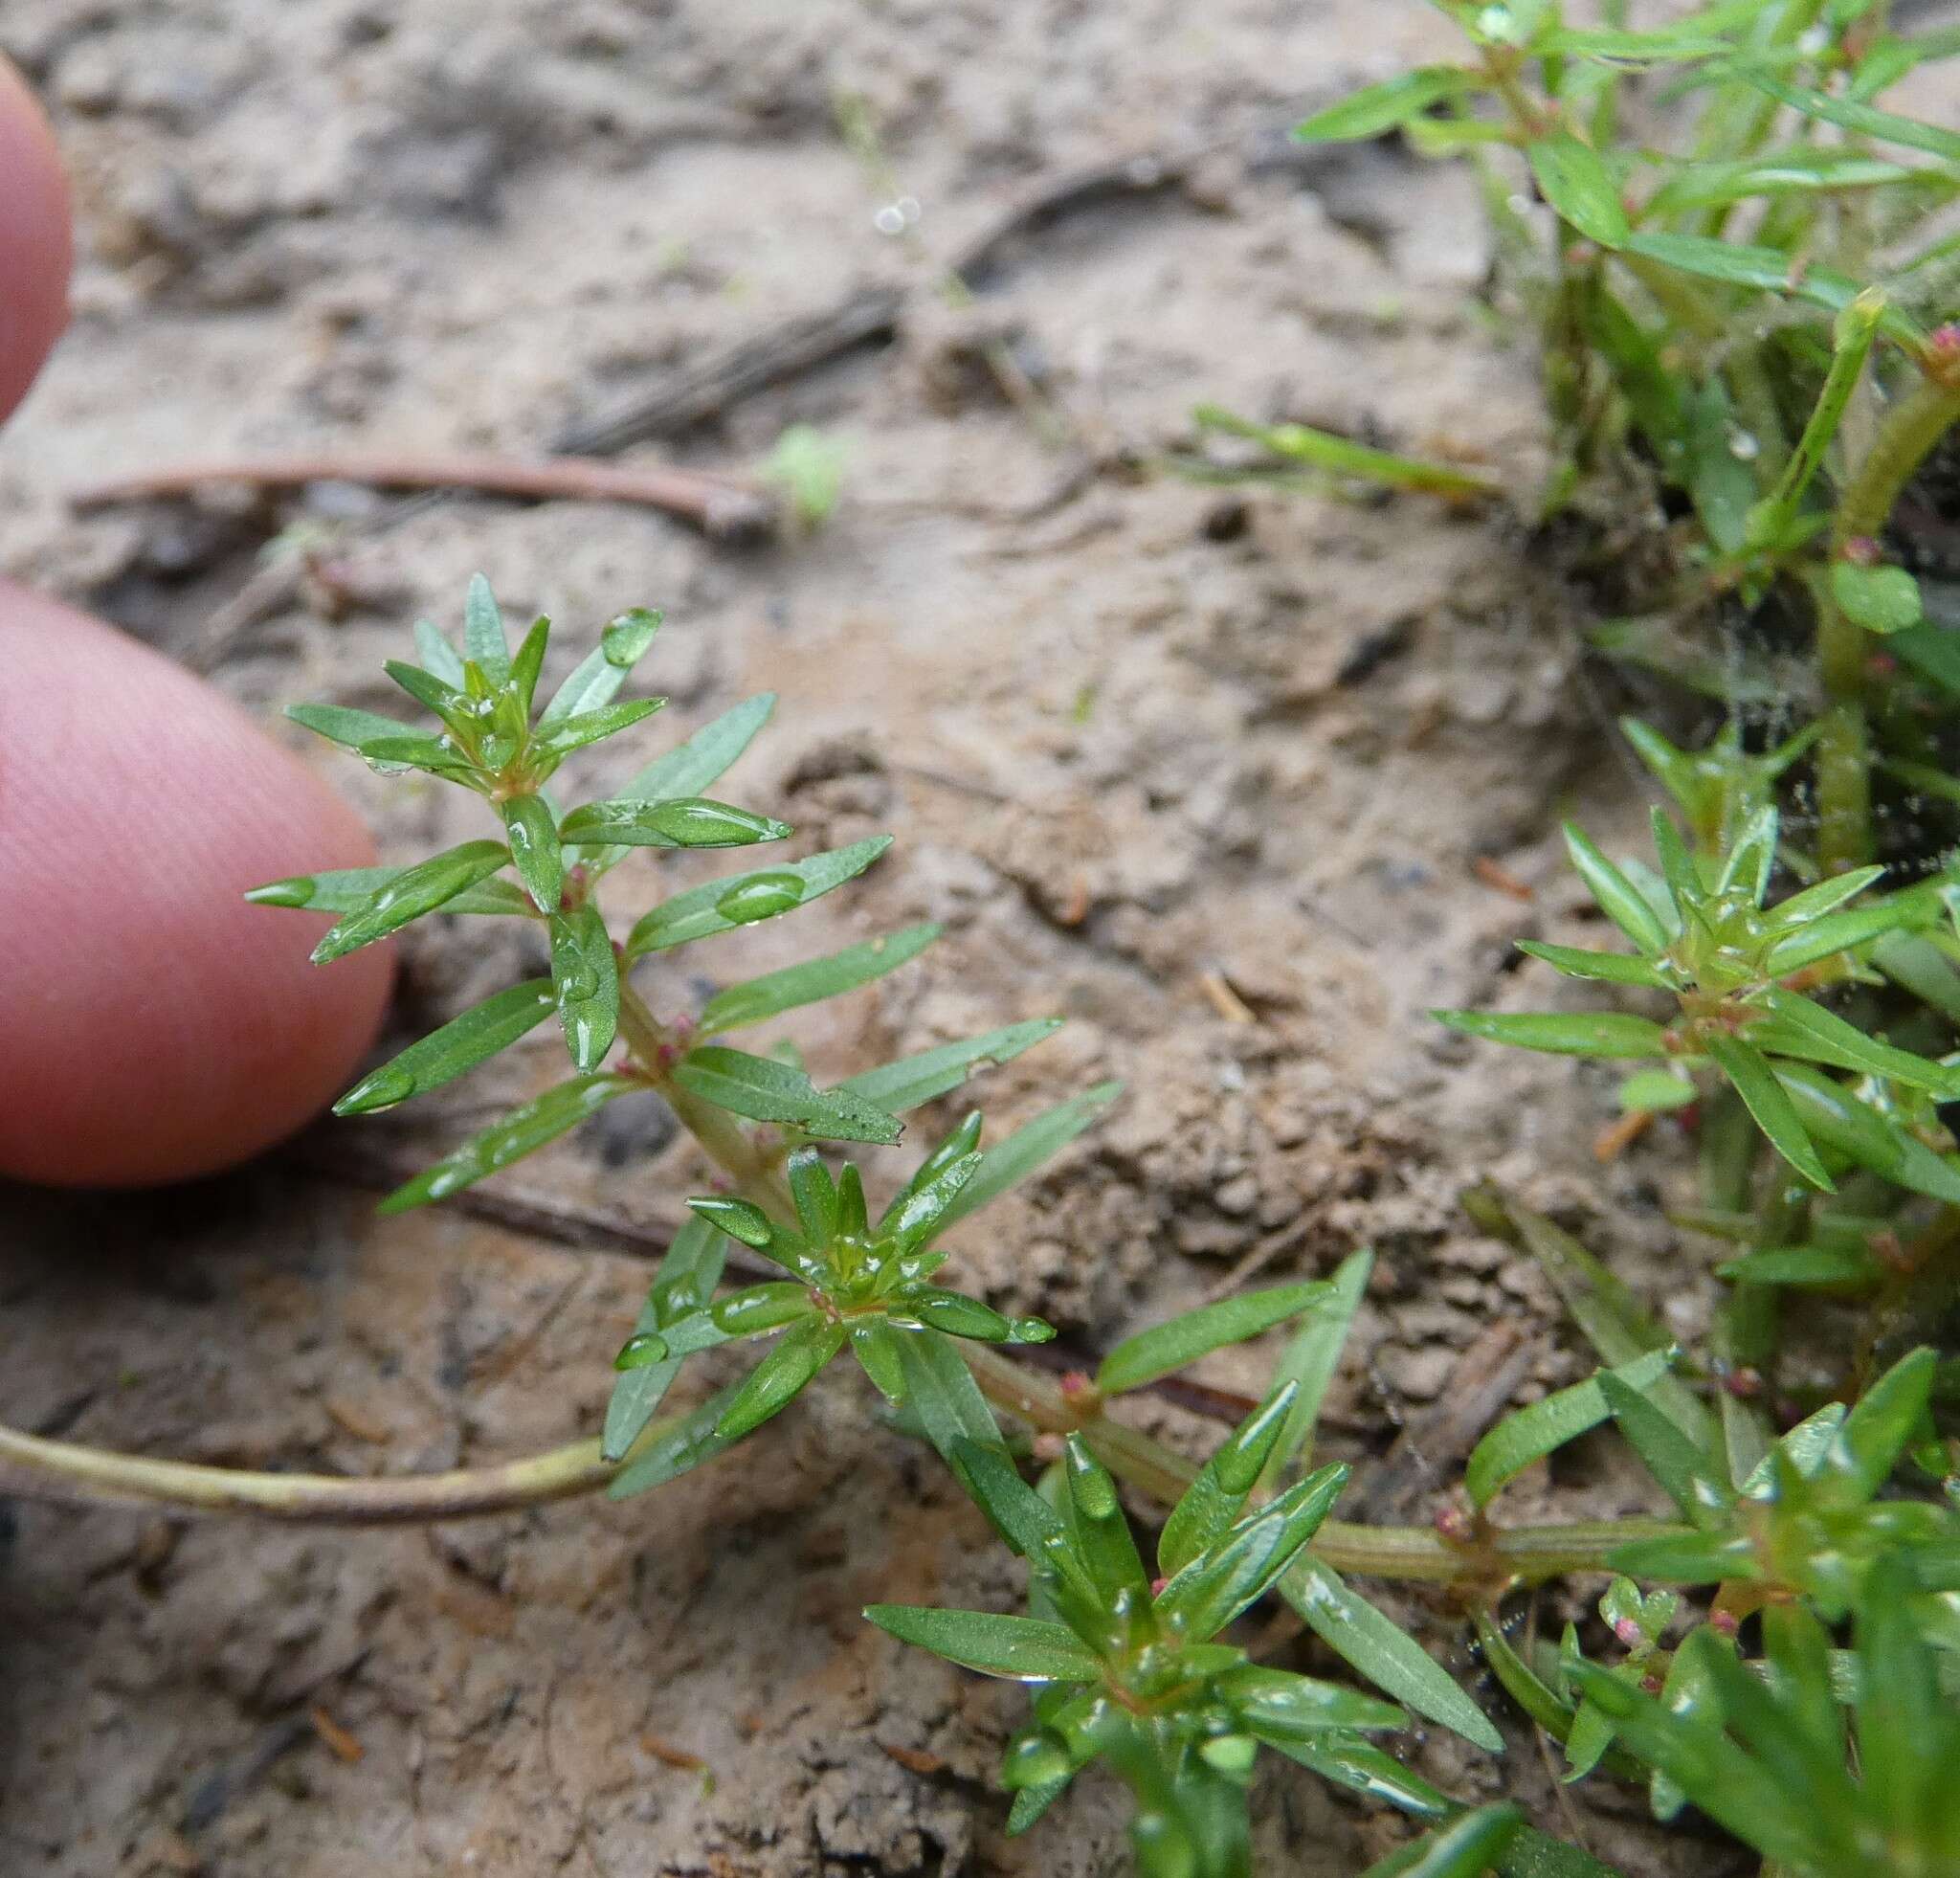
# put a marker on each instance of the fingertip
(36, 241)
(158, 1024)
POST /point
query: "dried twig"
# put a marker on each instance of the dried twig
(719, 505)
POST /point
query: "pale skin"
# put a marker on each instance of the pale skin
(152, 1025)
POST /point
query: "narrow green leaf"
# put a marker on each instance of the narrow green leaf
(686, 1277)
(1807, 1030)
(592, 727)
(1310, 1361)
(691, 768)
(743, 899)
(876, 1345)
(1610, 968)
(1389, 1657)
(1468, 1847)
(816, 979)
(1535, 1854)
(1382, 107)
(1027, 1524)
(676, 1450)
(1607, 1315)
(1805, 1449)
(528, 663)
(1845, 932)
(434, 694)
(585, 976)
(349, 889)
(409, 894)
(1616, 1034)
(1619, 899)
(917, 1214)
(1803, 1265)
(682, 821)
(1880, 599)
(553, 1114)
(1690, 1477)
(1652, 1090)
(1277, 1702)
(1217, 1496)
(437, 655)
(534, 847)
(1576, 180)
(484, 640)
(1520, 1681)
(1530, 1434)
(1166, 1346)
(1030, 1145)
(1227, 1577)
(1813, 903)
(1797, 169)
(1848, 114)
(1364, 1769)
(1025, 1649)
(766, 1090)
(1342, 456)
(1883, 1422)
(460, 1045)
(896, 1087)
(1857, 327)
(596, 679)
(1855, 1130)
(1766, 270)
(1765, 1098)
(350, 729)
(940, 1391)
(1712, 1770)
(1905, 1728)
(776, 1381)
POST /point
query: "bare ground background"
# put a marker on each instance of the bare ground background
(1129, 732)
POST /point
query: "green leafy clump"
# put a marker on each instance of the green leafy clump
(1740, 271)
(1704, 935)
(1803, 1539)
(1130, 1671)
(853, 1281)
(495, 743)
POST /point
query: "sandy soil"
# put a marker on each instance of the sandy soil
(1128, 731)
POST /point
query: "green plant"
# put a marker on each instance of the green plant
(1741, 324)
(1140, 1674)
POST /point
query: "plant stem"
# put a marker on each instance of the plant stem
(1906, 437)
(70, 1472)
(93, 1476)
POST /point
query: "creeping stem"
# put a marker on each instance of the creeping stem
(78, 1474)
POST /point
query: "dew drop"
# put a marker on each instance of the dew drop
(381, 1091)
(890, 220)
(1744, 447)
(760, 897)
(1030, 1329)
(628, 638)
(1034, 1760)
(1095, 1494)
(648, 1346)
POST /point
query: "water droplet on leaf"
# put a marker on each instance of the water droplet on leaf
(760, 897)
(383, 1089)
(648, 1346)
(628, 637)
(1034, 1760)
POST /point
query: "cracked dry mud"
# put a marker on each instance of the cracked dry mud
(1128, 735)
